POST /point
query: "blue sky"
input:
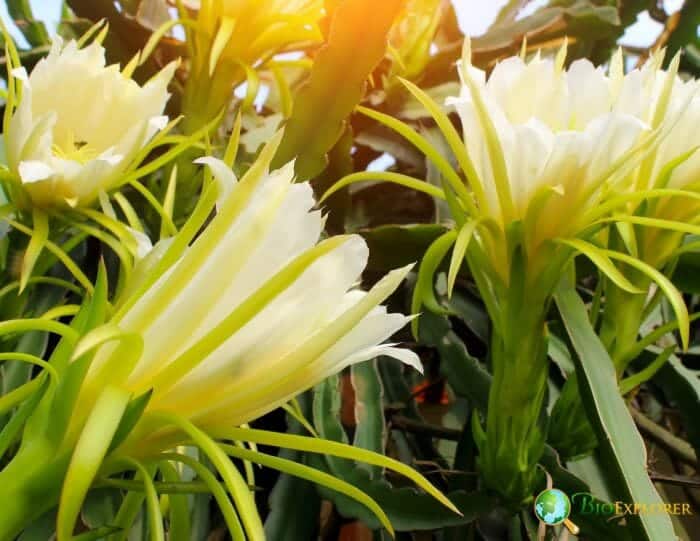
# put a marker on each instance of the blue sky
(474, 15)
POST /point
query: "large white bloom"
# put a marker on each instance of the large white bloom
(548, 146)
(288, 304)
(557, 129)
(80, 123)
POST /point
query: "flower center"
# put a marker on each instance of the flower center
(69, 147)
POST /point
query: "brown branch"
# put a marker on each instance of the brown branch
(417, 427)
(674, 445)
(677, 480)
(670, 25)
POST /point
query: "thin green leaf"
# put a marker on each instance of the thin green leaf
(244, 501)
(60, 254)
(425, 146)
(40, 235)
(424, 292)
(155, 518)
(179, 513)
(87, 457)
(313, 475)
(459, 148)
(616, 430)
(466, 233)
(388, 176)
(635, 380)
(600, 258)
(128, 211)
(314, 445)
(222, 499)
(672, 294)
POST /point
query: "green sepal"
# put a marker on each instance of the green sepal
(478, 430)
(424, 293)
(132, 414)
(93, 313)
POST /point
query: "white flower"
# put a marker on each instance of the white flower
(674, 164)
(549, 146)
(80, 123)
(557, 129)
(260, 310)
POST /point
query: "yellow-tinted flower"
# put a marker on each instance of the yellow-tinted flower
(547, 144)
(412, 36)
(79, 124)
(233, 36)
(207, 335)
(255, 311)
(673, 165)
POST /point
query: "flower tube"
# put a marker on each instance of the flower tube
(68, 142)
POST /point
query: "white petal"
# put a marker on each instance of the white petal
(158, 122)
(143, 243)
(223, 174)
(34, 171)
(21, 74)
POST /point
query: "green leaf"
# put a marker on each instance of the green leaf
(132, 414)
(582, 18)
(386, 176)
(393, 246)
(686, 275)
(681, 386)
(40, 235)
(100, 507)
(294, 503)
(672, 294)
(40, 529)
(433, 154)
(327, 402)
(635, 380)
(341, 450)
(32, 29)
(243, 499)
(224, 502)
(370, 429)
(620, 440)
(601, 259)
(96, 535)
(409, 510)
(424, 292)
(464, 373)
(461, 244)
(337, 82)
(179, 513)
(153, 512)
(314, 475)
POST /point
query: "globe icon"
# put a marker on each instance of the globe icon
(552, 506)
